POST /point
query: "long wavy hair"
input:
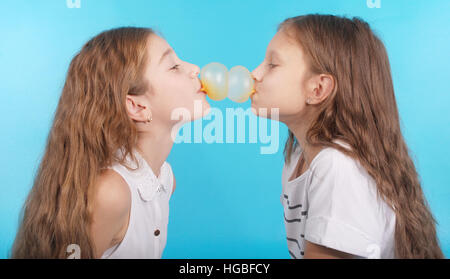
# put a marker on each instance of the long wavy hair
(362, 112)
(90, 124)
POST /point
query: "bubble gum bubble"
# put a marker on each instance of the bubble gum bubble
(214, 77)
(240, 84)
(218, 83)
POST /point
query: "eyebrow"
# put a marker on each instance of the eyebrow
(274, 53)
(167, 52)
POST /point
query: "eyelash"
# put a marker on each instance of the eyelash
(271, 65)
(175, 67)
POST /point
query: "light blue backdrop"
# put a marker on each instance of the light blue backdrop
(227, 200)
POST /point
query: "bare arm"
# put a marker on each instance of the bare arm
(112, 202)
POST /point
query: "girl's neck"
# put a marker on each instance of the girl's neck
(309, 152)
(155, 146)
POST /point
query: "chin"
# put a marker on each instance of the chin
(265, 111)
(258, 107)
(207, 108)
(201, 108)
(257, 102)
(254, 109)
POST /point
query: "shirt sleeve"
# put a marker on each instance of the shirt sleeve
(343, 212)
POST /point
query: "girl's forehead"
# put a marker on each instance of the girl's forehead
(282, 44)
(284, 38)
(158, 49)
(157, 44)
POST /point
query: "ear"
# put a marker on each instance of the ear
(323, 87)
(138, 108)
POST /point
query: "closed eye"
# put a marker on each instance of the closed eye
(176, 67)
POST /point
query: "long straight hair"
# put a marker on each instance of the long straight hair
(362, 112)
(90, 124)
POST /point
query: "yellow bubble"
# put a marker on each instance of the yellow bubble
(218, 83)
(240, 84)
(214, 77)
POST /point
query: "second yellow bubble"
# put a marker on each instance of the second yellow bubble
(219, 83)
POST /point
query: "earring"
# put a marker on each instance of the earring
(308, 101)
(149, 119)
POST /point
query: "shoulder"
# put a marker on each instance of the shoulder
(341, 178)
(112, 194)
(344, 208)
(110, 210)
(333, 162)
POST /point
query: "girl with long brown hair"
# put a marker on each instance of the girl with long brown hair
(103, 186)
(350, 187)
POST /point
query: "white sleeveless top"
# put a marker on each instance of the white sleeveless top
(146, 234)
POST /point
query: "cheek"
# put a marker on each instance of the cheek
(164, 97)
(172, 88)
(279, 90)
(174, 96)
(183, 94)
(291, 97)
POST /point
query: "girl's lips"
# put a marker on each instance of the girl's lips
(255, 94)
(201, 91)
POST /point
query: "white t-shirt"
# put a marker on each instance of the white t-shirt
(334, 203)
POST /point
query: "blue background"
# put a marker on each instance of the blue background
(227, 200)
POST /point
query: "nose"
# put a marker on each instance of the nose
(256, 75)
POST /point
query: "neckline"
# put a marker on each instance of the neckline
(148, 184)
(303, 175)
(143, 162)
